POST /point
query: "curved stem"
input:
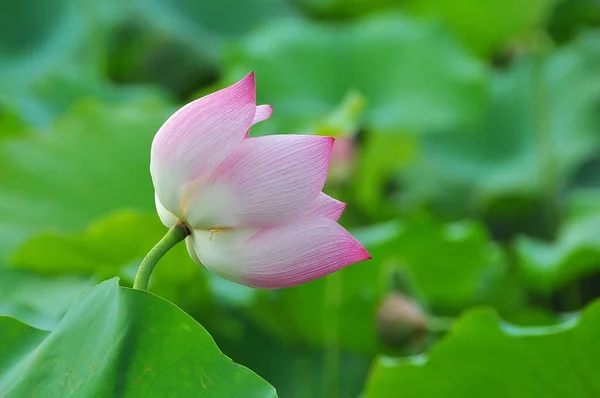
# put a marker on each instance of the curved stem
(175, 235)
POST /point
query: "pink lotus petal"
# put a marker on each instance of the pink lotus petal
(279, 256)
(324, 206)
(210, 203)
(263, 112)
(198, 137)
(264, 181)
(167, 218)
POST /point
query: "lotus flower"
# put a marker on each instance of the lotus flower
(254, 205)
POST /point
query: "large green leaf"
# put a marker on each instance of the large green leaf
(575, 253)
(485, 357)
(94, 161)
(412, 74)
(487, 25)
(448, 266)
(297, 372)
(116, 341)
(38, 300)
(115, 245)
(542, 124)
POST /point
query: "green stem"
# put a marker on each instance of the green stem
(331, 334)
(440, 324)
(175, 235)
(549, 175)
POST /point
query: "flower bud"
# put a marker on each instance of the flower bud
(400, 321)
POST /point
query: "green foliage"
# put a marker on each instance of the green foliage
(115, 245)
(345, 8)
(93, 161)
(51, 56)
(575, 253)
(304, 71)
(381, 157)
(483, 356)
(214, 18)
(572, 16)
(429, 255)
(343, 306)
(124, 342)
(487, 25)
(180, 43)
(338, 309)
(38, 300)
(470, 172)
(11, 125)
(541, 126)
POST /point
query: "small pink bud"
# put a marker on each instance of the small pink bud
(343, 158)
(400, 320)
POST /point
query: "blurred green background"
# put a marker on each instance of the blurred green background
(468, 151)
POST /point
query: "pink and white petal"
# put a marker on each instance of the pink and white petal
(210, 203)
(167, 218)
(269, 178)
(263, 112)
(221, 251)
(189, 245)
(279, 256)
(198, 137)
(324, 206)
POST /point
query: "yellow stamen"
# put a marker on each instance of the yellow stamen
(213, 231)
